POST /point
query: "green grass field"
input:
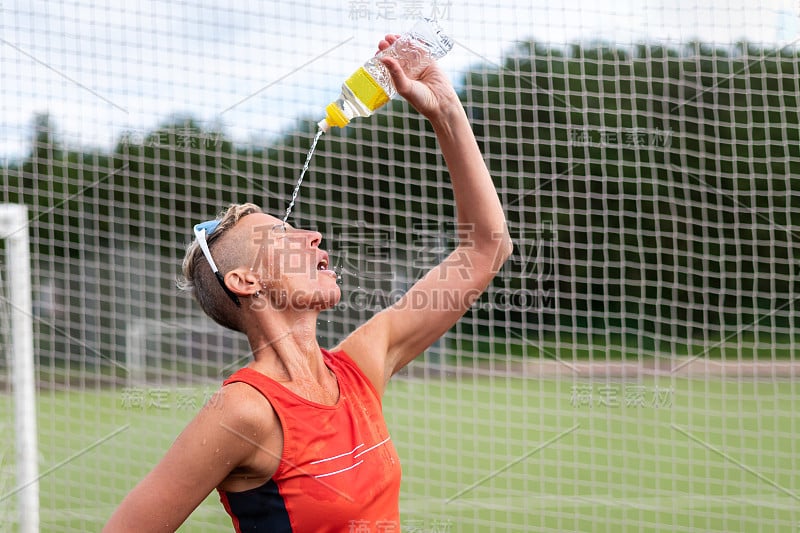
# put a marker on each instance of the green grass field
(480, 454)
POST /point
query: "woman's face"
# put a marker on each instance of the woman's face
(293, 269)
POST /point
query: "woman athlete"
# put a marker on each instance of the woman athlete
(296, 440)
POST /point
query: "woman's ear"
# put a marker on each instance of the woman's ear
(243, 281)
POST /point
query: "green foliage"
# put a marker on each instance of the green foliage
(669, 174)
(679, 226)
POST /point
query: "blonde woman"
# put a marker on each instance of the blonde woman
(296, 441)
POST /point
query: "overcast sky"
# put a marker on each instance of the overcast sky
(252, 67)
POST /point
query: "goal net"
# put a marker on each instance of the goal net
(632, 368)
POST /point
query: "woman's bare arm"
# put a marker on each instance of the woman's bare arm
(226, 433)
(395, 336)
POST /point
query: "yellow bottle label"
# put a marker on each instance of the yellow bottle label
(367, 89)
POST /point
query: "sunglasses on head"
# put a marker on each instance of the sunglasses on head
(201, 233)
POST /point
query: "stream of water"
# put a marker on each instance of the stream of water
(302, 175)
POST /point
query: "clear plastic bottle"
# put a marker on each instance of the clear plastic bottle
(370, 87)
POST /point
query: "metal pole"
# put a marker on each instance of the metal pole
(14, 229)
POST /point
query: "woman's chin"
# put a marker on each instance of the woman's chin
(327, 299)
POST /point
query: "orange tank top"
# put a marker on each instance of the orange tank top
(339, 470)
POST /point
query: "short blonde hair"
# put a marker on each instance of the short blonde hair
(200, 281)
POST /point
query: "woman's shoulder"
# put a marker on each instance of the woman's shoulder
(366, 348)
(241, 404)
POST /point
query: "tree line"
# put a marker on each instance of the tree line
(652, 190)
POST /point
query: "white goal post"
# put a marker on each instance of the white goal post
(14, 230)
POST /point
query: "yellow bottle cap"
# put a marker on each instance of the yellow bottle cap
(335, 117)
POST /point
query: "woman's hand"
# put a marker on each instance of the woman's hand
(431, 93)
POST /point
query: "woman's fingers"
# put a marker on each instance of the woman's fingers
(387, 41)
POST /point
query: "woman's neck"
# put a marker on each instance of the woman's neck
(285, 347)
(288, 352)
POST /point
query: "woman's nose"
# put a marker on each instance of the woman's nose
(315, 238)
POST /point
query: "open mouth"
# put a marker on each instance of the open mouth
(322, 265)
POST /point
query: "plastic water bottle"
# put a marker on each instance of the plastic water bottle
(370, 87)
